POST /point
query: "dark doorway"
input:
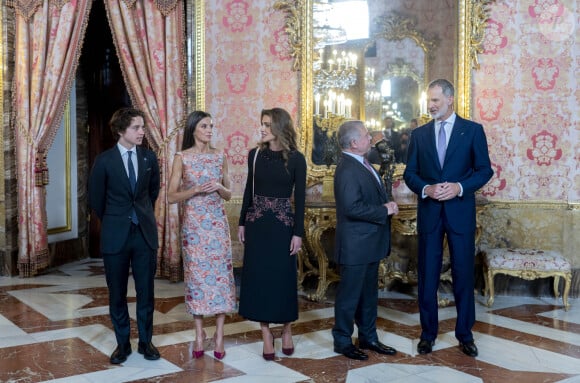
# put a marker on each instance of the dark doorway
(105, 93)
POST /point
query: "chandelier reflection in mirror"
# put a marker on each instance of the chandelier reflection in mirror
(335, 71)
(336, 74)
(373, 101)
(326, 29)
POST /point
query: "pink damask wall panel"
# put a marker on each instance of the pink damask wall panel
(527, 96)
(248, 68)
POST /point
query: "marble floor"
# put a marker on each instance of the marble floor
(55, 328)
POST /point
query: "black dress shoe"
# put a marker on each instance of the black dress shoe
(469, 348)
(352, 353)
(377, 347)
(149, 351)
(121, 353)
(425, 346)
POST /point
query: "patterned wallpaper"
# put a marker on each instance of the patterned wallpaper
(247, 69)
(527, 96)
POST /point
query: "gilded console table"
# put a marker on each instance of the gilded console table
(404, 223)
(321, 216)
(318, 218)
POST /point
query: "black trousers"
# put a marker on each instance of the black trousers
(356, 302)
(142, 260)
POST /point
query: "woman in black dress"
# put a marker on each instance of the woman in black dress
(270, 231)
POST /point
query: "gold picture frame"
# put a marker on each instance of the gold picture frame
(471, 21)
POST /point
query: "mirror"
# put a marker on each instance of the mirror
(389, 31)
(396, 66)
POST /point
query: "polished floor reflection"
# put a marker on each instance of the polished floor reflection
(55, 328)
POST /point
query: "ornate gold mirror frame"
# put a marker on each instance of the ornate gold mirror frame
(395, 27)
(195, 16)
(471, 21)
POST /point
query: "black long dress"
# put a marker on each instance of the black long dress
(268, 290)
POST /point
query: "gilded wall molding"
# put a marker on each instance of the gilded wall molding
(402, 68)
(195, 16)
(294, 10)
(472, 21)
(396, 27)
(66, 124)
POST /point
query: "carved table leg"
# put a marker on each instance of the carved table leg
(489, 288)
(567, 283)
(317, 221)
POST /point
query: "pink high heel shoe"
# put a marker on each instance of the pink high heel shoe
(198, 353)
(218, 355)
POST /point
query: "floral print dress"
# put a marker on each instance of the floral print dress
(205, 237)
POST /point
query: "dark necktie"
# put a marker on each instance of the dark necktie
(441, 143)
(132, 182)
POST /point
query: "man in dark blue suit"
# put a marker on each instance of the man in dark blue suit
(447, 162)
(363, 233)
(123, 187)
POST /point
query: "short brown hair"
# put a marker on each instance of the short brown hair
(122, 119)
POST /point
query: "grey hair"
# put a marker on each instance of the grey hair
(348, 132)
(446, 86)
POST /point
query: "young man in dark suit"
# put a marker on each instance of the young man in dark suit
(123, 187)
(363, 233)
(447, 163)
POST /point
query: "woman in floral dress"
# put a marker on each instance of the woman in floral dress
(200, 180)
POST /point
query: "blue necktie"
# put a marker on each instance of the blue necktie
(441, 143)
(132, 182)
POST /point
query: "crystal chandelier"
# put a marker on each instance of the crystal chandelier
(338, 72)
(331, 78)
(334, 72)
(325, 31)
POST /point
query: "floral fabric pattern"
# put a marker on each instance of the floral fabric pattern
(48, 43)
(205, 238)
(526, 259)
(280, 207)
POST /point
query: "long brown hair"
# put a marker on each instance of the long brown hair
(283, 128)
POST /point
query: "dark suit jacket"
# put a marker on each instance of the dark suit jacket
(374, 156)
(111, 198)
(466, 161)
(363, 227)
